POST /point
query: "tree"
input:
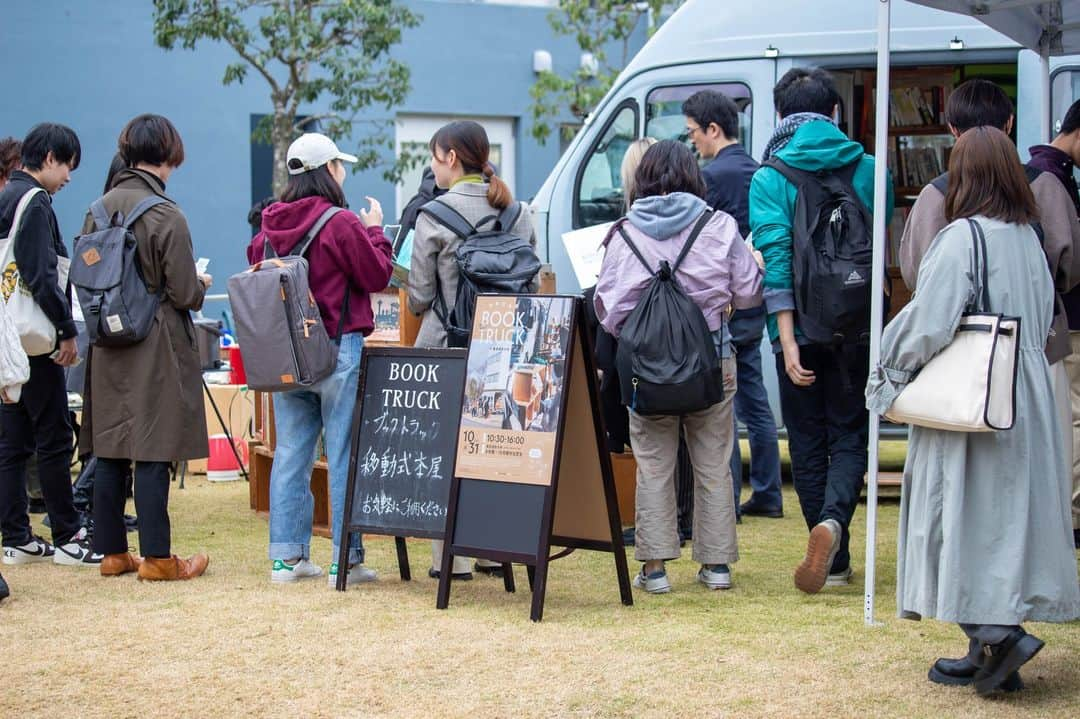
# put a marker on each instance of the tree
(334, 51)
(597, 25)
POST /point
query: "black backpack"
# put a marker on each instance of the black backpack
(832, 236)
(666, 359)
(489, 261)
(118, 306)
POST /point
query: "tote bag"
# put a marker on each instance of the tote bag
(36, 330)
(970, 386)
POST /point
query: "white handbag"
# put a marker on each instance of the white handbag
(970, 386)
(36, 331)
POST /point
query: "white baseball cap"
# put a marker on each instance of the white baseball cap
(313, 151)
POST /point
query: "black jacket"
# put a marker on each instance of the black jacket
(727, 184)
(727, 188)
(37, 247)
(427, 192)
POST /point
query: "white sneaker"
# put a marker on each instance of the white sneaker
(655, 583)
(839, 579)
(284, 572)
(358, 574)
(77, 552)
(36, 550)
(715, 576)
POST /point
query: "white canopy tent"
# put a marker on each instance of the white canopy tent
(1049, 28)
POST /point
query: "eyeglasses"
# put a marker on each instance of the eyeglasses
(691, 130)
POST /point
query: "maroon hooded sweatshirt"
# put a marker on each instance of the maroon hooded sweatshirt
(344, 256)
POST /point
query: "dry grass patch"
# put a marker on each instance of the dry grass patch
(231, 644)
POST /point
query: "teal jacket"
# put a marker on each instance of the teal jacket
(817, 145)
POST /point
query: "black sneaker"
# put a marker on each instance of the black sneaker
(77, 552)
(460, 576)
(4, 591)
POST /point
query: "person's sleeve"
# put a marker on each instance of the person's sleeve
(364, 252)
(770, 223)
(924, 222)
(36, 259)
(926, 324)
(182, 287)
(424, 265)
(1061, 231)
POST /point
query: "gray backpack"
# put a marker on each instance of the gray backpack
(282, 337)
(118, 307)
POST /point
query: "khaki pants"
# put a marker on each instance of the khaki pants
(1072, 367)
(709, 438)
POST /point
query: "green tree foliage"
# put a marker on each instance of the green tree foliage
(333, 54)
(598, 26)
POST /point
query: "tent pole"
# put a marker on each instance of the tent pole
(881, 154)
(1044, 95)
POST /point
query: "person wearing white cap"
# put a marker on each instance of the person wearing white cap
(348, 259)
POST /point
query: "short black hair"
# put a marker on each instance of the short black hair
(805, 89)
(1071, 123)
(314, 183)
(708, 106)
(151, 139)
(666, 167)
(976, 103)
(48, 137)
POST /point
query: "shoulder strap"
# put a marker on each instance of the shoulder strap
(138, 210)
(449, 218)
(941, 182)
(509, 216)
(793, 175)
(702, 221)
(301, 248)
(20, 209)
(1032, 173)
(982, 290)
(633, 247)
(100, 215)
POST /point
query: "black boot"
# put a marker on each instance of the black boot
(4, 591)
(961, 673)
(1001, 660)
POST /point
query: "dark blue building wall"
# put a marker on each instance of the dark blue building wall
(94, 65)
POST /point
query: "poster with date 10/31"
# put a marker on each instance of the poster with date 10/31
(514, 384)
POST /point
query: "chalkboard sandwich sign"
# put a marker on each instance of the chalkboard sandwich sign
(404, 433)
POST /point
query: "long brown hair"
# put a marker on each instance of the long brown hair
(470, 142)
(986, 178)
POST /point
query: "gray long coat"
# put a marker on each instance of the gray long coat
(433, 264)
(985, 534)
(145, 401)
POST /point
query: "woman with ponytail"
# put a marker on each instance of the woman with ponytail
(460, 160)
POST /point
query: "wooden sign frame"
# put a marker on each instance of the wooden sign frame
(399, 533)
(566, 524)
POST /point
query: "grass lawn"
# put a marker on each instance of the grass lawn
(231, 644)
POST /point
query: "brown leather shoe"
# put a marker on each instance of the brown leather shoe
(113, 565)
(166, 570)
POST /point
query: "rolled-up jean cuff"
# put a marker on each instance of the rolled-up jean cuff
(778, 300)
(288, 551)
(356, 555)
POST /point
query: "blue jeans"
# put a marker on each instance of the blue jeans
(752, 409)
(299, 416)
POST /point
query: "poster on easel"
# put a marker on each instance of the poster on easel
(531, 472)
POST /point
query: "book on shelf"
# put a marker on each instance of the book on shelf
(916, 106)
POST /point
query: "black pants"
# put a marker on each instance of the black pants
(828, 428)
(37, 424)
(151, 505)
